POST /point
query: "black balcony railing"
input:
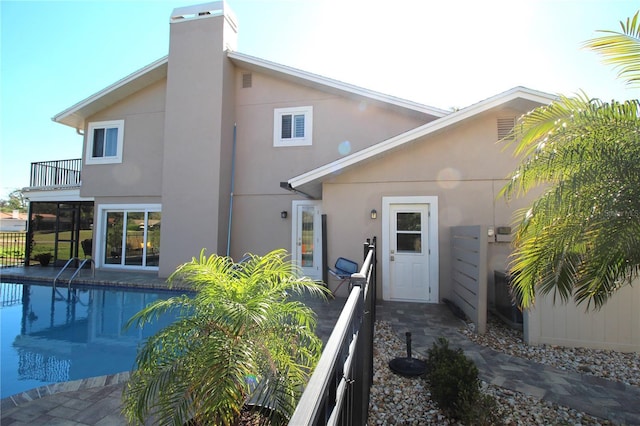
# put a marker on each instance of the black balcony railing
(58, 173)
(338, 391)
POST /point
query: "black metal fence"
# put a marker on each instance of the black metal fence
(58, 173)
(12, 248)
(338, 391)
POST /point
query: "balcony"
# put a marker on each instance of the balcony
(58, 174)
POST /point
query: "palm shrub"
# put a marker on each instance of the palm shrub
(242, 338)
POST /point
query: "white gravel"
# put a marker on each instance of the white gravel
(396, 400)
(618, 366)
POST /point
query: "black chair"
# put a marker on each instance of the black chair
(87, 247)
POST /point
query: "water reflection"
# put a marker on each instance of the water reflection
(51, 335)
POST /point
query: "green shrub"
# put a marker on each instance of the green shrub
(455, 386)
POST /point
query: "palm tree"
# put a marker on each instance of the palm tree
(242, 338)
(581, 238)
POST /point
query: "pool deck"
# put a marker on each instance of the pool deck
(96, 401)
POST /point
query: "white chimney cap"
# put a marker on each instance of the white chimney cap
(198, 11)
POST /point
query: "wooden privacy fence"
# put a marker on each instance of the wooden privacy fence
(469, 247)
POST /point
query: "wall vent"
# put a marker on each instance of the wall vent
(246, 80)
(505, 126)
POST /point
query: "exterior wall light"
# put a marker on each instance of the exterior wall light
(283, 214)
(374, 214)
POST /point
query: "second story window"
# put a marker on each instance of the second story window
(292, 126)
(104, 142)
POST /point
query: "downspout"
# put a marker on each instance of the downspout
(233, 176)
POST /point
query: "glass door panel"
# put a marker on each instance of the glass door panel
(306, 249)
(113, 241)
(134, 246)
(306, 238)
(153, 239)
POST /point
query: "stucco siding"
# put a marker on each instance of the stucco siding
(463, 167)
(257, 225)
(341, 126)
(194, 124)
(140, 172)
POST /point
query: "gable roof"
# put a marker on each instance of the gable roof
(310, 183)
(330, 85)
(75, 115)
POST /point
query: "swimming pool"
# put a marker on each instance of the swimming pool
(54, 335)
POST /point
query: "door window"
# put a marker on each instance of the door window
(306, 249)
(409, 232)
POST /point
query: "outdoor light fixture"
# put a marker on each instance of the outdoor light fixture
(283, 214)
(374, 214)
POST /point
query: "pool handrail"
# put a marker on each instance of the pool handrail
(93, 270)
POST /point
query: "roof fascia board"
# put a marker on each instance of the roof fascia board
(335, 84)
(418, 132)
(73, 110)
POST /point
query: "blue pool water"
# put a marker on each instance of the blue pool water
(53, 335)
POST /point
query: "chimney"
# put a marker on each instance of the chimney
(211, 10)
(15, 214)
(198, 131)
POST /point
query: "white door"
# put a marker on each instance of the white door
(409, 257)
(307, 238)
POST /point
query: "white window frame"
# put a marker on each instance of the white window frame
(278, 141)
(103, 209)
(117, 124)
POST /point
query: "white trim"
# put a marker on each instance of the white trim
(434, 257)
(42, 194)
(318, 80)
(75, 115)
(317, 226)
(418, 132)
(89, 159)
(306, 140)
(101, 210)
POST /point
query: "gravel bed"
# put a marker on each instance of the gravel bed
(611, 365)
(397, 400)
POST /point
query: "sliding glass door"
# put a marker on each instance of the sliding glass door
(131, 237)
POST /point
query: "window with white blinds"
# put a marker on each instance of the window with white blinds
(292, 126)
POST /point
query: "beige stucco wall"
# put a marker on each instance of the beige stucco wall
(140, 173)
(196, 129)
(338, 122)
(260, 167)
(462, 166)
(615, 326)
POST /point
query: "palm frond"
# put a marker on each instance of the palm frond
(621, 49)
(240, 332)
(584, 153)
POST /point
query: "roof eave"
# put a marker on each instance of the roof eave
(321, 82)
(310, 180)
(76, 115)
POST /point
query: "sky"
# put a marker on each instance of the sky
(445, 54)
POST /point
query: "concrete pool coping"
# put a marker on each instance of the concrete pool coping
(124, 280)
